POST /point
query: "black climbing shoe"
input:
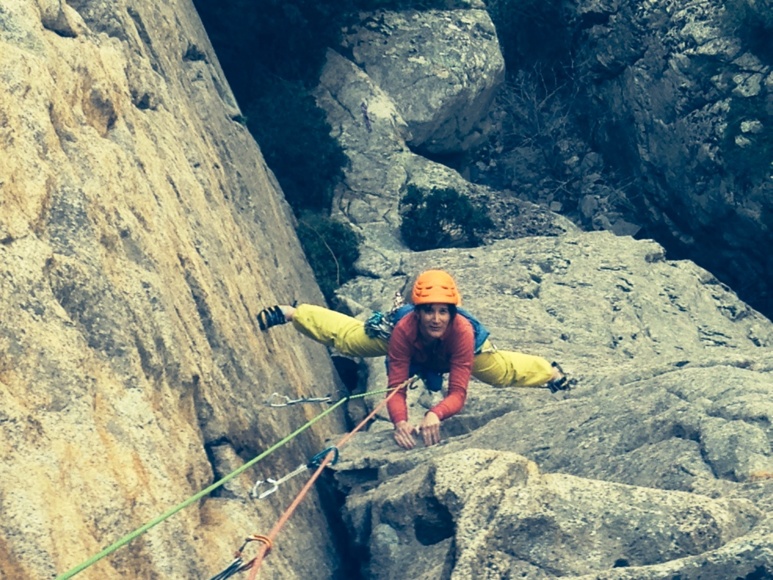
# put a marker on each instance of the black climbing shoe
(562, 383)
(269, 317)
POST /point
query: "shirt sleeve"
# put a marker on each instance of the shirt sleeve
(462, 346)
(398, 368)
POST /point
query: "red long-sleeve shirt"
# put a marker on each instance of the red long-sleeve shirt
(453, 354)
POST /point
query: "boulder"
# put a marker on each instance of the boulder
(368, 124)
(440, 67)
(487, 514)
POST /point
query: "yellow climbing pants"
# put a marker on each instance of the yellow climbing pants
(499, 368)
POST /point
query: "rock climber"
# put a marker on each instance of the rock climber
(431, 336)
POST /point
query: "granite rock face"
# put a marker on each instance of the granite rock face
(682, 99)
(441, 67)
(140, 232)
(658, 463)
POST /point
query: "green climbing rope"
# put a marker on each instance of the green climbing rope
(194, 498)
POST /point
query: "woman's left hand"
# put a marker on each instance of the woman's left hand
(430, 429)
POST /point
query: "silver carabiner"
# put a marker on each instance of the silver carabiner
(275, 483)
(288, 401)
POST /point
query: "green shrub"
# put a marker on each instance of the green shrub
(331, 248)
(440, 218)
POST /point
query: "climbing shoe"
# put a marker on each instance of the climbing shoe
(562, 383)
(269, 317)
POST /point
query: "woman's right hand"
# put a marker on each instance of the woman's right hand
(404, 434)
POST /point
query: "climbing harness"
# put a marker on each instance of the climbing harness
(272, 400)
(324, 458)
(380, 325)
(275, 483)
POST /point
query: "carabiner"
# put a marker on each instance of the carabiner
(288, 401)
(274, 483)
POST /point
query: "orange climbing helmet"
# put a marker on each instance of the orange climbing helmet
(435, 286)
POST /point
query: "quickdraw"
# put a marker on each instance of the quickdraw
(238, 564)
(271, 401)
(315, 461)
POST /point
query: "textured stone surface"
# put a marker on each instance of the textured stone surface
(140, 232)
(480, 513)
(674, 398)
(372, 131)
(682, 105)
(441, 68)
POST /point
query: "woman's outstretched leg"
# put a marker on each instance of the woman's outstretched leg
(334, 329)
(504, 368)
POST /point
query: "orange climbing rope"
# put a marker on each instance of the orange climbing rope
(267, 541)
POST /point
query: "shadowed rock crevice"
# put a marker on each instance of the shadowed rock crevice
(202, 307)
(434, 524)
(218, 453)
(144, 36)
(349, 557)
(60, 19)
(193, 54)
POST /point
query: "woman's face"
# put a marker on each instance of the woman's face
(434, 320)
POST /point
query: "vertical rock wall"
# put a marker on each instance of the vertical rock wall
(681, 102)
(140, 231)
